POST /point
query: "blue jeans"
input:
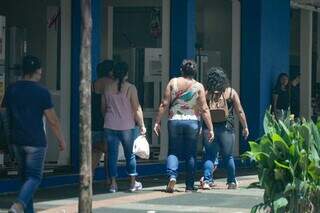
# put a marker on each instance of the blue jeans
(97, 137)
(223, 144)
(30, 163)
(183, 138)
(113, 138)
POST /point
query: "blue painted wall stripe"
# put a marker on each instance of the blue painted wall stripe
(183, 33)
(75, 82)
(265, 53)
(96, 36)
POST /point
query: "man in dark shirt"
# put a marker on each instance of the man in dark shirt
(27, 103)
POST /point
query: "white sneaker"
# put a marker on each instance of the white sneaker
(206, 186)
(16, 208)
(170, 186)
(232, 185)
(137, 187)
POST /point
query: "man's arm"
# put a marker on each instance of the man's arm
(54, 124)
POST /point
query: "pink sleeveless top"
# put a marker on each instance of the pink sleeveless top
(119, 114)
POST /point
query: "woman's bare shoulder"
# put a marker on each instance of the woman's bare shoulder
(230, 93)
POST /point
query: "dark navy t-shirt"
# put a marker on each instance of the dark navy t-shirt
(26, 102)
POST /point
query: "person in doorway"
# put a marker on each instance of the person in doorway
(121, 109)
(99, 146)
(281, 97)
(185, 99)
(27, 102)
(295, 96)
(222, 101)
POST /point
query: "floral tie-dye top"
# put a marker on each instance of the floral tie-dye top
(184, 102)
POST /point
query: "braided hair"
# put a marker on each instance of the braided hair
(188, 68)
(120, 71)
(217, 80)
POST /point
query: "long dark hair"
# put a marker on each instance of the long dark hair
(278, 85)
(120, 71)
(217, 80)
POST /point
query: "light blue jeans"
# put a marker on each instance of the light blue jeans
(30, 163)
(183, 138)
(113, 138)
(223, 144)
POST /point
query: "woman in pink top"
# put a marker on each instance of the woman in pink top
(121, 109)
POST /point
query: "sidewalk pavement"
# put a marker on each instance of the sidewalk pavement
(152, 199)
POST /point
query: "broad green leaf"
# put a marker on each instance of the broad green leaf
(289, 188)
(279, 174)
(294, 152)
(285, 133)
(263, 159)
(306, 135)
(280, 203)
(281, 165)
(314, 170)
(266, 144)
(316, 136)
(269, 123)
(277, 137)
(280, 148)
(254, 147)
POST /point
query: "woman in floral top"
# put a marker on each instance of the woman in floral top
(186, 101)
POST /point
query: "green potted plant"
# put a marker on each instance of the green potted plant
(288, 163)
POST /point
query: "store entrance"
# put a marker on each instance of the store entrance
(38, 29)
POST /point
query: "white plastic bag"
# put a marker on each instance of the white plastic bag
(141, 147)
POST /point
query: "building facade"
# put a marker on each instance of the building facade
(253, 40)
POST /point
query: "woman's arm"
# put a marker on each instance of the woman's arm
(164, 105)
(205, 112)
(137, 110)
(274, 101)
(240, 112)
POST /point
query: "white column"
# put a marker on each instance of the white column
(165, 72)
(65, 97)
(236, 57)
(305, 62)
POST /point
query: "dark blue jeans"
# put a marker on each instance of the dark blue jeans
(223, 144)
(30, 163)
(113, 138)
(183, 138)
